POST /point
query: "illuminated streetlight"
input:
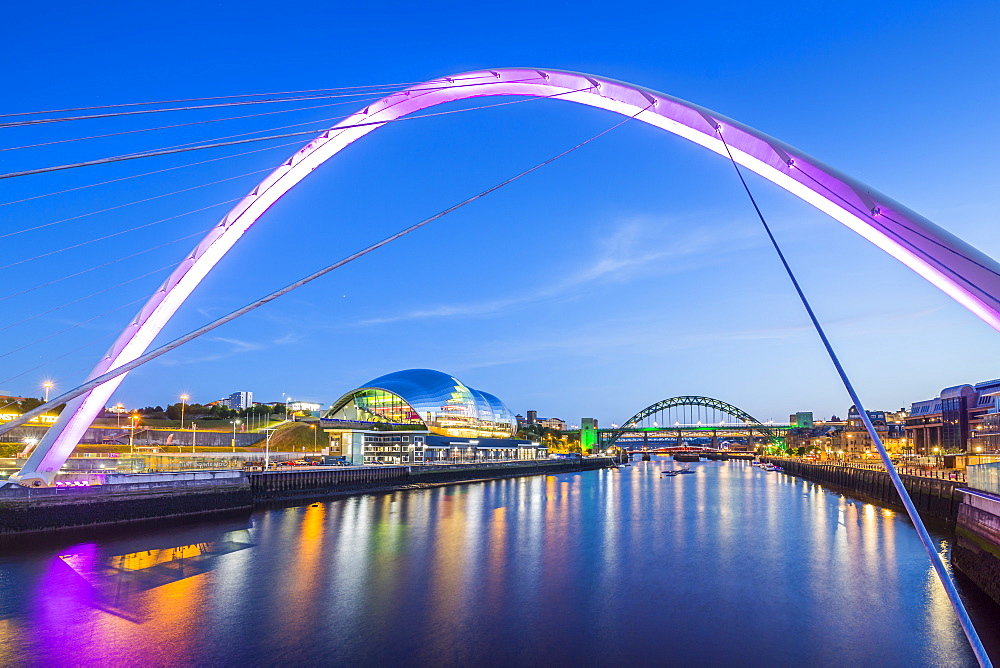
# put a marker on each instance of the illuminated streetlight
(119, 409)
(315, 451)
(48, 386)
(235, 422)
(184, 399)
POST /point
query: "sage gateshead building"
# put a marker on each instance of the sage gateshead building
(422, 416)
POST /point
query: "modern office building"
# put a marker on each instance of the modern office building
(963, 418)
(240, 401)
(423, 416)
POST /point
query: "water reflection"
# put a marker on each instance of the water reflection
(729, 565)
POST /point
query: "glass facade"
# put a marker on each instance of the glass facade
(954, 424)
(423, 398)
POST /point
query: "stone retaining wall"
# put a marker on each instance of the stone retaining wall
(931, 496)
(976, 550)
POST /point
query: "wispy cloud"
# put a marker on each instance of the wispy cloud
(634, 248)
(652, 336)
(290, 337)
(235, 347)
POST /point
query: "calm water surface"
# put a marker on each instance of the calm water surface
(730, 565)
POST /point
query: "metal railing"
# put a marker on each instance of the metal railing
(901, 468)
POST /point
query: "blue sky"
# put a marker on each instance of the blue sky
(628, 272)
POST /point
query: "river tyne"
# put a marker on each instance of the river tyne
(729, 566)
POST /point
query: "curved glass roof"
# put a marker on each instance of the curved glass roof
(424, 398)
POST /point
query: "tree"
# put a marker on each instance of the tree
(31, 403)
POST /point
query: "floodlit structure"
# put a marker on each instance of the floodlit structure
(421, 416)
(424, 399)
(965, 274)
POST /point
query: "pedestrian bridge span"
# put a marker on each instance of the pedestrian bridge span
(965, 274)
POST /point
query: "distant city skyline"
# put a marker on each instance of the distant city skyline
(626, 273)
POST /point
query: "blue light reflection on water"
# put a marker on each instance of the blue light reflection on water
(729, 565)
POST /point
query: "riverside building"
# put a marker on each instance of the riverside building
(962, 419)
(422, 416)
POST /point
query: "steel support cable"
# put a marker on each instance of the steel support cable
(935, 557)
(86, 297)
(117, 114)
(181, 191)
(103, 337)
(40, 121)
(149, 173)
(101, 266)
(72, 327)
(190, 336)
(170, 151)
(211, 120)
(272, 129)
(875, 219)
(223, 97)
(133, 202)
(118, 234)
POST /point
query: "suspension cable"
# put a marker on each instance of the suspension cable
(72, 327)
(86, 297)
(39, 121)
(133, 202)
(150, 154)
(162, 350)
(211, 120)
(101, 266)
(938, 563)
(216, 97)
(63, 119)
(37, 227)
(117, 234)
(56, 359)
(149, 173)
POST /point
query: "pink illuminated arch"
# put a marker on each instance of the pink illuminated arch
(965, 274)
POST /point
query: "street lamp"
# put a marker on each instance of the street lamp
(184, 399)
(131, 432)
(119, 409)
(48, 386)
(315, 451)
(267, 448)
(235, 422)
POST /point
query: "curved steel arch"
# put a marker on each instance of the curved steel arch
(673, 402)
(965, 274)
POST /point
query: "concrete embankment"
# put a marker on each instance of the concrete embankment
(975, 514)
(27, 509)
(277, 485)
(151, 496)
